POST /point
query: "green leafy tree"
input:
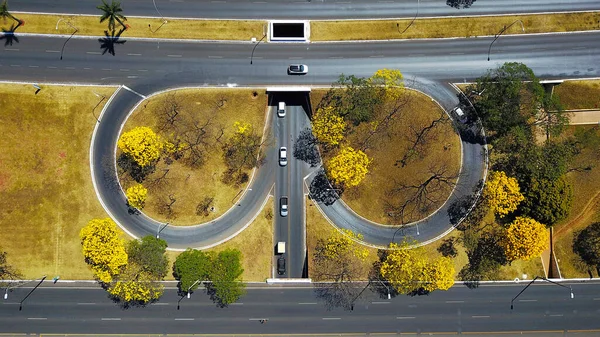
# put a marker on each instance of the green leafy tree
(548, 201)
(354, 98)
(149, 253)
(226, 286)
(112, 13)
(586, 244)
(191, 266)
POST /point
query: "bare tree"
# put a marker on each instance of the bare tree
(420, 137)
(197, 142)
(420, 197)
(169, 113)
(393, 111)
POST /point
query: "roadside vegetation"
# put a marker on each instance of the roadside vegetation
(452, 27)
(47, 193)
(185, 156)
(583, 94)
(390, 152)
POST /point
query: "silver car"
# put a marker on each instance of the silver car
(283, 156)
(297, 69)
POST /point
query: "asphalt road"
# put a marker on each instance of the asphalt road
(149, 66)
(543, 307)
(305, 9)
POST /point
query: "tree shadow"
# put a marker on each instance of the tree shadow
(108, 42)
(322, 191)
(137, 172)
(9, 34)
(337, 294)
(484, 261)
(458, 4)
(305, 148)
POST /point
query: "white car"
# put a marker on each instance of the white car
(281, 109)
(297, 69)
(282, 156)
(283, 206)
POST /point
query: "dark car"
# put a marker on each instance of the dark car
(297, 69)
(281, 265)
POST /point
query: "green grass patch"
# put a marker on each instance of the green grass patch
(255, 243)
(89, 25)
(45, 183)
(585, 209)
(452, 27)
(579, 94)
(216, 110)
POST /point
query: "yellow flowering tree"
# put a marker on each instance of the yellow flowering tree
(135, 287)
(136, 196)
(337, 261)
(502, 193)
(142, 145)
(391, 79)
(525, 239)
(349, 167)
(408, 271)
(103, 249)
(327, 126)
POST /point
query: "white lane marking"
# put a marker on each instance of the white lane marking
(457, 53)
(381, 302)
(259, 2)
(376, 56)
(52, 51)
(160, 303)
(307, 303)
(50, 67)
(455, 301)
(34, 66)
(217, 2)
(412, 305)
(335, 57)
(70, 68)
(558, 315)
(173, 55)
(415, 55)
(37, 318)
(527, 300)
(123, 69)
(106, 69)
(405, 317)
(475, 316)
(93, 52)
(111, 319)
(295, 58)
(86, 303)
(256, 57)
(87, 68)
(143, 70)
(15, 65)
(133, 91)
(215, 57)
(184, 319)
(256, 319)
(132, 54)
(385, 2)
(331, 318)
(11, 49)
(236, 304)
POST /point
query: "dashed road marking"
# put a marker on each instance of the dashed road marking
(455, 301)
(170, 55)
(37, 318)
(307, 303)
(133, 54)
(331, 318)
(380, 302)
(93, 52)
(11, 49)
(527, 300)
(184, 319)
(215, 57)
(480, 316)
(405, 317)
(52, 51)
(111, 319)
(86, 303)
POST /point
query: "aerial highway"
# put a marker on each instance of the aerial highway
(543, 308)
(306, 9)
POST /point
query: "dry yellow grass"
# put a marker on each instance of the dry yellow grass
(187, 185)
(45, 184)
(369, 198)
(141, 27)
(256, 245)
(579, 94)
(451, 27)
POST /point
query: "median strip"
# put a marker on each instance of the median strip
(343, 30)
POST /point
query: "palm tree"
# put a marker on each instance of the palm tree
(111, 13)
(4, 13)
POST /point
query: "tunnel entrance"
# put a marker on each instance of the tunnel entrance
(289, 31)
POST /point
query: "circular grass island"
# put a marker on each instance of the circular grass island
(191, 182)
